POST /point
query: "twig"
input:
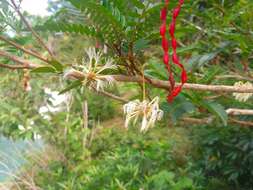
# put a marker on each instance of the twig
(235, 76)
(14, 66)
(165, 85)
(31, 29)
(206, 122)
(122, 100)
(35, 54)
(85, 114)
(26, 64)
(243, 123)
(235, 111)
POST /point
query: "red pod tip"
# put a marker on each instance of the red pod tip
(176, 91)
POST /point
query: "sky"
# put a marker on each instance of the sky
(35, 7)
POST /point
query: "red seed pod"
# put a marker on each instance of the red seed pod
(172, 28)
(184, 76)
(166, 58)
(165, 44)
(176, 12)
(175, 58)
(163, 14)
(174, 43)
(163, 29)
(176, 91)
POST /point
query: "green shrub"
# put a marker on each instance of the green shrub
(227, 154)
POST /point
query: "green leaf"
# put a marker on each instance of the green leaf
(217, 110)
(71, 86)
(140, 44)
(44, 69)
(178, 108)
(57, 65)
(183, 184)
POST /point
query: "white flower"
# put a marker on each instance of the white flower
(93, 69)
(148, 111)
(243, 97)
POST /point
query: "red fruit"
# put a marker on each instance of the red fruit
(176, 91)
(166, 58)
(174, 43)
(170, 98)
(163, 14)
(175, 58)
(176, 12)
(163, 29)
(172, 28)
(165, 44)
(184, 77)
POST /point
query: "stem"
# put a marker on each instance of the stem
(35, 54)
(30, 28)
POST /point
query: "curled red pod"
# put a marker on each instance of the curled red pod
(176, 12)
(175, 58)
(174, 43)
(174, 93)
(166, 58)
(165, 44)
(184, 76)
(163, 14)
(172, 28)
(163, 29)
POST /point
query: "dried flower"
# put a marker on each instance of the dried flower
(148, 111)
(93, 69)
(243, 97)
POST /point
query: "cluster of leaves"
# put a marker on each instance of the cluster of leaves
(226, 153)
(162, 159)
(117, 159)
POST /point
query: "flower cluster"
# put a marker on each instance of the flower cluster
(93, 66)
(148, 112)
(243, 97)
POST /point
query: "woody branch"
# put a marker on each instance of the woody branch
(138, 79)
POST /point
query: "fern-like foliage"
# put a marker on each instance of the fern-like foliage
(74, 28)
(111, 21)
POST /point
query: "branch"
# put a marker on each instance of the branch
(112, 96)
(14, 66)
(206, 122)
(30, 28)
(24, 49)
(234, 111)
(165, 84)
(243, 123)
(27, 64)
